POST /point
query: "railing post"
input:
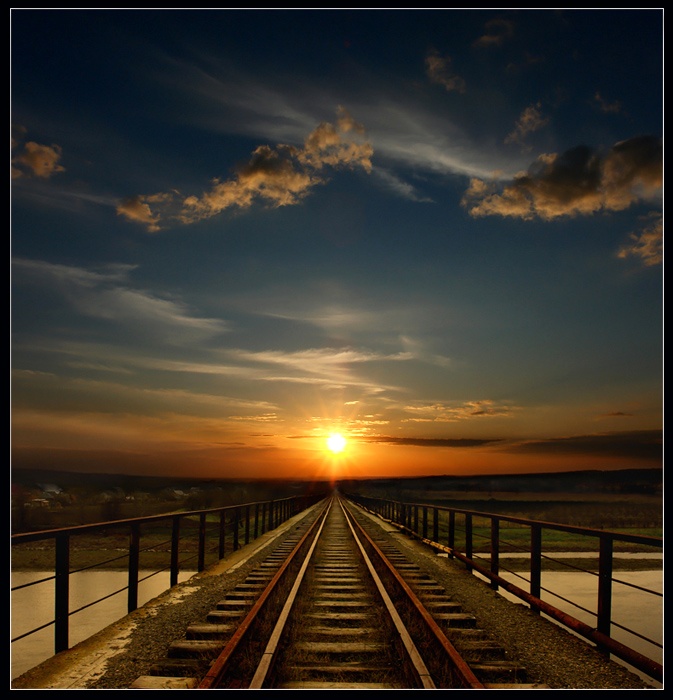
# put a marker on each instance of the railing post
(202, 542)
(452, 531)
(62, 593)
(415, 507)
(270, 515)
(425, 522)
(256, 520)
(247, 524)
(222, 545)
(604, 611)
(435, 524)
(235, 527)
(175, 550)
(263, 518)
(134, 565)
(495, 550)
(535, 563)
(468, 539)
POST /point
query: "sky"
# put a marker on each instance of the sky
(437, 233)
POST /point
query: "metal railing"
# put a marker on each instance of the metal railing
(198, 538)
(474, 538)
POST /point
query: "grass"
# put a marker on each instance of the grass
(640, 514)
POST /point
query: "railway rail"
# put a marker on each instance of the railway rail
(332, 607)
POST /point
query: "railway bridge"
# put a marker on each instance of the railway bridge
(337, 595)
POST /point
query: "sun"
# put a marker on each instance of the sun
(336, 443)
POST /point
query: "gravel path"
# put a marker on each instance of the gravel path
(121, 653)
(552, 656)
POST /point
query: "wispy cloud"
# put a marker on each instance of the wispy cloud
(451, 413)
(606, 106)
(580, 181)
(327, 366)
(432, 442)
(440, 70)
(107, 294)
(398, 186)
(497, 31)
(411, 134)
(531, 120)
(274, 176)
(647, 244)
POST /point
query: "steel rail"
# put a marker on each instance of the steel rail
(462, 669)
(218, 668)
(272, 646)
(420, 669)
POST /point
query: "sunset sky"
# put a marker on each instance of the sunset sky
(437, 233)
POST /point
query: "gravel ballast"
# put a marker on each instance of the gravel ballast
(124, 651)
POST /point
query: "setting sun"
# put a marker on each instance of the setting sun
(336, 442)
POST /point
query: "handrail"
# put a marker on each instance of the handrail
(414, 519)
(249, 520)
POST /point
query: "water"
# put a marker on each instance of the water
(632, 609)
(34, 606)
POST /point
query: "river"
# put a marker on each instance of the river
(635, 612)
(31, 609)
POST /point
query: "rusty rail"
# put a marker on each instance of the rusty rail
(230, 523)
(417, 518)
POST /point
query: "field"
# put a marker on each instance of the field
(625, 502)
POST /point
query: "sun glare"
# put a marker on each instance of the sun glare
(336, 443)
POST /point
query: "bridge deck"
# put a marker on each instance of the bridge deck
(114, 657)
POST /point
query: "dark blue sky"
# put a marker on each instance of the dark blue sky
(235, 232)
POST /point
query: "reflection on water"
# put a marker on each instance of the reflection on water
(34, 606)
(634, 612)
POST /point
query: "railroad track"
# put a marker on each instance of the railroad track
(336, 606)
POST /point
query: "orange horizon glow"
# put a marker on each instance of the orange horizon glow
(359, 460)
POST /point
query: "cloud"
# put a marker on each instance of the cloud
(68, 393)
(401, 188)
(35, 159)
(445, 413)
(433, 442)
(498, 30)
(605, 106)
(580, 181)
(139, 209)
(531, 120)
(439, 70)
(106, 294)
(405, 132)
(648, 244)
(330, 366)
(277, 177)
(642, 444)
